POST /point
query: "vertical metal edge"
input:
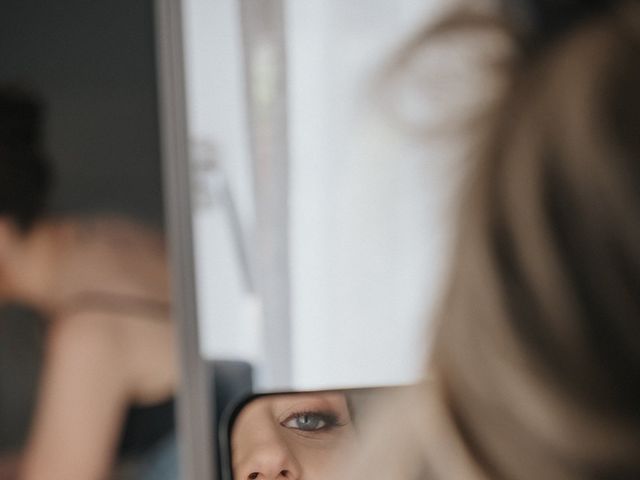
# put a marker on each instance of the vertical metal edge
(263, 22)
(197, 456)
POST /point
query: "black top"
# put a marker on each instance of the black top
(145, 426)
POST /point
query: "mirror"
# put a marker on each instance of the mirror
(295, 434)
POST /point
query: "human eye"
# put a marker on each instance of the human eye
(311, 421)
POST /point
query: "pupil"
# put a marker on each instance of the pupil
(307, 421)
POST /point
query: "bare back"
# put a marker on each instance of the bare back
(110, 345)
(113, 256)
(117, 269)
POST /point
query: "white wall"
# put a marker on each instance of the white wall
(368, 205)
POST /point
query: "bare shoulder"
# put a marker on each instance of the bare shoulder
(111, 254)
(140, 352)
(84, 389)
(95, 342)
(87, 335)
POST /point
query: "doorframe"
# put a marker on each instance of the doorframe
(196, 453)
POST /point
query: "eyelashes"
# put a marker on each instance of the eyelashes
(312, 421)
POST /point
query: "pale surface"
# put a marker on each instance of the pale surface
(369, 207)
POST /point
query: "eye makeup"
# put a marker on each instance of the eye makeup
(313, 421)
(312, 414)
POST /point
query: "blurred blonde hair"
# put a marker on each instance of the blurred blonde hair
(535, 370)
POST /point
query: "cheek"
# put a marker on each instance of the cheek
(320, 457)
(314, 462)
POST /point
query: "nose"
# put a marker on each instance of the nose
(269, 460)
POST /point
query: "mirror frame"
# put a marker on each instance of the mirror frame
(196, 455)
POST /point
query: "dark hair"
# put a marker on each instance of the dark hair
(25, 175)
(539, 22)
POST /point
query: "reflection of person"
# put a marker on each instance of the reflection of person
(536, 362)
(291, 436)
(103, 284)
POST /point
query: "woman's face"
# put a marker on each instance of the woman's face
(291, 436)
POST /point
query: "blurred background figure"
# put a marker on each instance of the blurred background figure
(93, 66)
(109, 370)
(536, 360)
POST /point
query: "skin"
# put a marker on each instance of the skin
(291, 437)
(98, 361)
(8, 467)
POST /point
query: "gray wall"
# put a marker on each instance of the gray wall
(93, 63)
